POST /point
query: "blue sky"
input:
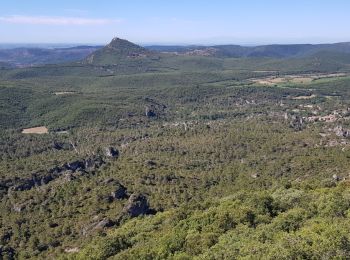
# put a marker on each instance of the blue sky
(175, 21)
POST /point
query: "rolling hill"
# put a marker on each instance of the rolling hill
(118, 50)
(270, 51)
(24, 57)
(149, 155)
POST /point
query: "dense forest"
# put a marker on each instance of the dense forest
(152, 155)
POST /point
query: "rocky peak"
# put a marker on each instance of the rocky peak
(120, 45)
(117, 50)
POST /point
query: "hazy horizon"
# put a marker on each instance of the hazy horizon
(10, 45)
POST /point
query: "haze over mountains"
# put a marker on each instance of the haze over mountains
(28, 56)
(271, 51)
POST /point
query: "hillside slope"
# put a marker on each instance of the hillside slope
(116, 51)
(270, 51)
(22, 57)
(163, 156)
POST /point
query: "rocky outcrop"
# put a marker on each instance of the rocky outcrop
(149, 112)
(65, 173)
(255, 175)
(74, 166)
(111, 152)
(297, 123)
(93, 163)
(7, 252)
(120, 192)
(137, 205)
(155, 103)
(106, 222)
(84, 165)
(335, 177)
(153, 108)
(72, 250)
(43, 177)
(18, 207)
(341, 132)
(37, 179)
(150, 163)
(98, 225)
(62, 146)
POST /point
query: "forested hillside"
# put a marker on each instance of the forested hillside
(136, 154)
(30, 56)
(268, 51)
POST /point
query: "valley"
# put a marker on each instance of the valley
(137, 153)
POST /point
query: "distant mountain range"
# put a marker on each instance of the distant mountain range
(4, 65)
(119, 50)
(127, 57)
(269, 51)
(24, 57)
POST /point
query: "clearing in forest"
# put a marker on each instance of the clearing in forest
(35, 130)
(296, 79)
(64, 93)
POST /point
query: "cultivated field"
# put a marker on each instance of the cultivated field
(295, 79)
(35, 130)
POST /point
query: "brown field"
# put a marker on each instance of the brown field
(297, 79)
(265, 71)
(304, 97)
(64, 93)
(35, 130)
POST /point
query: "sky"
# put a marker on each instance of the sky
(175, 21)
